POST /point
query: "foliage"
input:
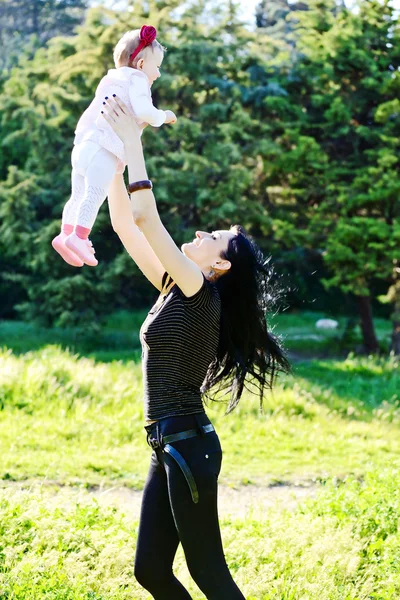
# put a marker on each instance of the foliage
(351, 88)
(342, 149)
(25, 25)
(292, 132)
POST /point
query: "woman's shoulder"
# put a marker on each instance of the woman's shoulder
(206, 296)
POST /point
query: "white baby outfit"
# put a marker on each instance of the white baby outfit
(98, 152)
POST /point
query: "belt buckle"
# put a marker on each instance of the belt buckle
(152, 442)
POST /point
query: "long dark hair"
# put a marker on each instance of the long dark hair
(248, 356)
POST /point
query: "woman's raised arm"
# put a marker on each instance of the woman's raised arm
(183, 271)
(130, 235)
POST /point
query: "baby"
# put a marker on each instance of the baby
(98, 153)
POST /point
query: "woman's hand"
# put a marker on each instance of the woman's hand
(117, 115)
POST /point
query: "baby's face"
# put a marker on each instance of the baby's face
(151, 64)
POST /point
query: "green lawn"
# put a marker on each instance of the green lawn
(73, 421)
(118, 336)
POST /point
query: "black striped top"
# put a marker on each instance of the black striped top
(179, 341)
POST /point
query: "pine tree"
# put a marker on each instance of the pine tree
(295, 139)
(272, 15)
(346, 87)
(26, 25)
(197, 166)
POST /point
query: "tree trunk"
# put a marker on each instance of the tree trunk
(371, 345)
(396, 335)
(395, 293)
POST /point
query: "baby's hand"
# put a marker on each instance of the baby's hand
(171, 117)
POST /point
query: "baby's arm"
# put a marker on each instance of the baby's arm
(142, 104)
(140, 97)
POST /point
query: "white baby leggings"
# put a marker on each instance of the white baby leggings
(93, 169)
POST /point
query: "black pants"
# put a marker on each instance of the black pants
(169, 516)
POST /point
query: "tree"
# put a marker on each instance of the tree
(296, 139)
(25, 25)
(272, 14)
(345, 84)
(198, 164)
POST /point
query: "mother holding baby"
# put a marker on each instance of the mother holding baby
(207, 328)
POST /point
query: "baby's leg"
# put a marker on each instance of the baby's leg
(68, 221)
(71, 208)
(98, 166)
(98, 177)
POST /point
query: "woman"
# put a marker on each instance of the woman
(208, 327)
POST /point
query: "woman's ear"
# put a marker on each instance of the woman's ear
(221, 265)
(140, 63)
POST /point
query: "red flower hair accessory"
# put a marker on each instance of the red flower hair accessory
(148, 34)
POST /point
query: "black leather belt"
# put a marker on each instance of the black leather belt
(164, 442)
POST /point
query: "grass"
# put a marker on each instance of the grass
(77, 421)
(119, 336)
(82, 421)
(343, 545)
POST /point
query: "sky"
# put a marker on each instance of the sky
(247, 6)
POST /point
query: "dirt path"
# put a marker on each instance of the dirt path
(235, 502)
(238, 502)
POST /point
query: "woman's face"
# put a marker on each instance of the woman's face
(206, 249)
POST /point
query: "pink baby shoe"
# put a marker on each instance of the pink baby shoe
(70, 257)
(83, 248)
